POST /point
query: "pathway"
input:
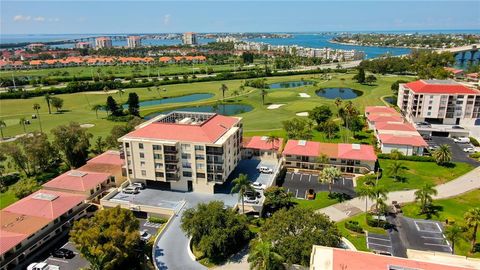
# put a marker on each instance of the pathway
(460, 185)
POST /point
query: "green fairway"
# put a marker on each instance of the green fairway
(258, 121)
(452, 209)
(321, 200)
(416, 174)
(7, 198)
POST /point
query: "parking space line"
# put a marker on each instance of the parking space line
(57, 260)
(440, 245)
(296, 194)
(387, 240)
(431, 237)
(375, 244)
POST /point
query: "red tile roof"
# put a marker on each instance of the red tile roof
(208, 132)
(423, 87)
(75, 180)
(340, 259)
(375, 117)
(380, 109)
(332, 150)
(9, 239)
(413, 140)
(394, 126)
(17, 227)
(108, 157)
(46, 204)
(260, 142)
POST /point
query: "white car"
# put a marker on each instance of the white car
(250, 200)
(144, 235)
(131, 190)
(258, 186)
(264, 169)
(468, 150)
(138, 184)
(461, 140)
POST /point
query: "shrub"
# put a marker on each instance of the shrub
(409, 158)
(157, 220)
(354, 226)
(376, 223)
(474, 141)
(475, 155)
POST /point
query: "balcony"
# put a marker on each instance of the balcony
(170, 150)
(172, 160)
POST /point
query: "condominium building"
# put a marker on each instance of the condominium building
(439, 102)
(349, 158)
(189, 38)
(186, 151)
(82, 45)
(134, 41)
(103, 42)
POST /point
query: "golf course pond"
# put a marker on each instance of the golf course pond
(335, 92)
(180, 99)
(291, 84)
(223, 109)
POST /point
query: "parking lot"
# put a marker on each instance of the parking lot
(77, 262)
(379, 243)
(423, 235)
(458, 155)
(299, 183)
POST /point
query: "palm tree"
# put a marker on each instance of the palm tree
(328, 175)
(395, 169)
(453, 233)
(322, 159)
(223, 88)
(442, 154)
(22, 122)
(338, 102)
(241, 184)
(37, 107)
(425, 196)
(121, 92)
(379, 194)
(365, 191)
(96, 108)
(472, 218)
(395, 154)
(273, 139)
(262, 256)
(47, 99)
(2, 125)
(263, 93)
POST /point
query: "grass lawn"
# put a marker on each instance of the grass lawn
(7, 198)
(452, 209)
(416, 174)
(358, 239)
(256, 122)
(321, 200)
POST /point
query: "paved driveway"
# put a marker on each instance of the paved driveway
(300, 183)
(457, 150)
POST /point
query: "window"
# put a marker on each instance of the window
(186, 156)
(185, 147)
(142, 155)
(158, 165)
(200, 175)
(157, 147)
(429, 113)
(144, 173)
(140, 145)
(199, 147)
(186, 165)
(430, 102)
(429, 107)
(157, 156)
(142, 163)
(158, 174)
(130, 171)
(187, 174)
(200, 157)
(200, 166)
(127, 144)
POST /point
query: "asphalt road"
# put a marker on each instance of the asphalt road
(300, 183)
(457, 150)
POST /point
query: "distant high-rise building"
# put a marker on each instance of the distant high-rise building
(190, 38)
(82, 45)
(134, 41)
(103, 42)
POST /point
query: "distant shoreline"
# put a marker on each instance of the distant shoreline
(384, 46)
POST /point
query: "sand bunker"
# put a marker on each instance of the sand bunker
(302, 114)
(87, 125)
(304, 95)
(274, 106)
(101, 92)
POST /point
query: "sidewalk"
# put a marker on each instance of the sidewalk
(462, 184)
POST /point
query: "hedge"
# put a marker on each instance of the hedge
(354, 226)
(474, 141)
(157, 220)
(409, 158)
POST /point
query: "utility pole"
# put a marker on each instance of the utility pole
(13, 79)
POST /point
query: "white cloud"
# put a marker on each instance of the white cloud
(21, 18)
(39, 19)
(166, 19)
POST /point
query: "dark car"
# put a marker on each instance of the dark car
(63, 253)
(252, 194)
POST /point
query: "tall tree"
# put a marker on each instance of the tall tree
(96, 108)
(330, 128)
(112, 106)
(48, 99)
(442, 154)
(133, 104)
(338, 102)
(453, 233)
(2, 126)
(277, 198)
(223, 89)
(37, 107)
(425, 197)
(273, 139)
(380, 196)
(264, 93)
(395, 169)
(73, 142)
(57, 103)
(328, 175)
(360, 77)
(366, 192)
(241, 184)
(472, 218)
(263, 257)
(320, 114)
(108, 238)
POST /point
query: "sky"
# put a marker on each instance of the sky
(108, 16)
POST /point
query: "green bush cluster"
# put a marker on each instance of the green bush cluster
(353, 226)
(474, 141)
(409, 158)
(157, 220)
(376, 223)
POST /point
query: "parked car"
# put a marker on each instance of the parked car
(457, 127)
(251, 200)
(144, 235)
(469, 150)
(432, 147)
(42, 266)
(423, 124)
(131, 190)
(253, 194)
(427, 137)
(138, 184)
(259, 186)
(461, 139)
(264, 169)
(63, 253)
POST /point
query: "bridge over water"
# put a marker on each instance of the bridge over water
(464, 53)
